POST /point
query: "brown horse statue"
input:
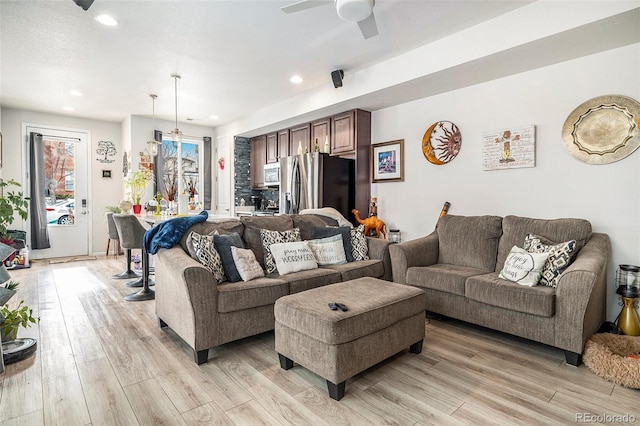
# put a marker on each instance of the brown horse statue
(371, 224)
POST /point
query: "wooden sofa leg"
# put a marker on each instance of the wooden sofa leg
(573, 358)
(201, 357)
(416, 348)
(336, 391)
(285, 363)
(161, 323)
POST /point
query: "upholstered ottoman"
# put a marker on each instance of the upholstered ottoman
(382, 319)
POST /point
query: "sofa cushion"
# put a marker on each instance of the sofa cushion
(274, 237)
(328, 251)
(224, 226)
(470, 241)
(223, 245)
(252, 227)
(312, 278)
(358, 269)
(291, 256)
(559, 257)
(246, 264)
(306, 223)
(491, 290)
(523, 267)
(442, 277)
(207, 255)
(330, 231)
(515, 228)
(251, 294)
(359, 245)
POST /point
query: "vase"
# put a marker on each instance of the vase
(9, 337)
(5, 295)
(137, 208)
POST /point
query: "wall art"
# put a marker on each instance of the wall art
(509, 148)
(441, 142)
(387, 161)
(106, 173)
(603, 129)
(106, 150)
(125, 164)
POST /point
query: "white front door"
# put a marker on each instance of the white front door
(66, 191)
(222, 164)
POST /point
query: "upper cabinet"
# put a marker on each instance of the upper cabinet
(300, 136)
(343, 135)
(319, 133)
(283, 143)
(272, 148)
(258, 159)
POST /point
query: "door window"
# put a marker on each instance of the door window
(59, 190)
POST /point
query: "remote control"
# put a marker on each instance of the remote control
(333, 306)
(342, 307)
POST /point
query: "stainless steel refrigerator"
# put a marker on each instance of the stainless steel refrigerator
(314, 180)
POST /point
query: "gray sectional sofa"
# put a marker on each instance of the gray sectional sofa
(458, 265)
(206, 315)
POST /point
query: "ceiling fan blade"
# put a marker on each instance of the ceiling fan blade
(303, 4)
(368, 27)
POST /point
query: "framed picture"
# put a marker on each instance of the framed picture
(387, 161)
(509, 148)
(106, 173)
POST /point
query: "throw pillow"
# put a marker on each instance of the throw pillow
(293, 257)
(273, 237)
(329, 231)
(359, 245)
(207, 255)
(523, 267)
(246, 263)
(223, 244)
(559, 259)
(328, 251)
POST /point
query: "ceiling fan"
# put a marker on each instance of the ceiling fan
(360, 11)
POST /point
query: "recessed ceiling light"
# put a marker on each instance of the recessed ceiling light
(214, 117)
(68, 108)
(75, 93)
(106, 20)
(296, 79)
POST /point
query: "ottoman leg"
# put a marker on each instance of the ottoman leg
(285, 363)
(336, 391)
(416, 348)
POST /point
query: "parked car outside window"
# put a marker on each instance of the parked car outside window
(61, 213)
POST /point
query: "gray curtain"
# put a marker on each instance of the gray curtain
(37, 205)
(207, 172)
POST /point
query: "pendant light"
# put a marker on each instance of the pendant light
(176, 135)
(153, 144)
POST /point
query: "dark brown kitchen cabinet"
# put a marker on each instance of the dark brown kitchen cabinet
(283, 143)
(258, 158)
(319, 133)
(300, 136)
(272, 148)
(343, 133)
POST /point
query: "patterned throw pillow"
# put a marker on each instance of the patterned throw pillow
(271, 237)
(359, 246)
(523, 267)
(207, 255)
(246, 263)
(559, 259)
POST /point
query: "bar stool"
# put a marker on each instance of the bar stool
(131, 234)
(113, 235)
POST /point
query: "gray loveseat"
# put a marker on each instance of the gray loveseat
(205, 315)
(458, 265)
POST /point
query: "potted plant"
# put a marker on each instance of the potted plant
(136, 184)
(12, 319)
(10, 203)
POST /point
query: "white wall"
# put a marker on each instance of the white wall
(559, 185)
(104, 191)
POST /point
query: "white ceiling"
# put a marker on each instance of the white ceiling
(235, 56)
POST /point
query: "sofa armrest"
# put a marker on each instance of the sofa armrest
(419, 252)
(581, 295)
(379, 249)
(186, 297)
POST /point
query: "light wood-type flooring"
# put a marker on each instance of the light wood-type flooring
(104, 361)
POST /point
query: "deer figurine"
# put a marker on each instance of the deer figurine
(371, 224)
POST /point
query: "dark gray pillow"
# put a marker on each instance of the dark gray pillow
(330, 231)
(223, 245)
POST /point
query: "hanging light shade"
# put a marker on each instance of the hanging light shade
(152, 144)
(176, 134)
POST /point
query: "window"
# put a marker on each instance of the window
(181, 169)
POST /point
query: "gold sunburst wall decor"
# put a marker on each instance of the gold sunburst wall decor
(441, 142)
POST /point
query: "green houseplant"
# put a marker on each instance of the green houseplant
(136, 184)
(12, 319)
(11, 202)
